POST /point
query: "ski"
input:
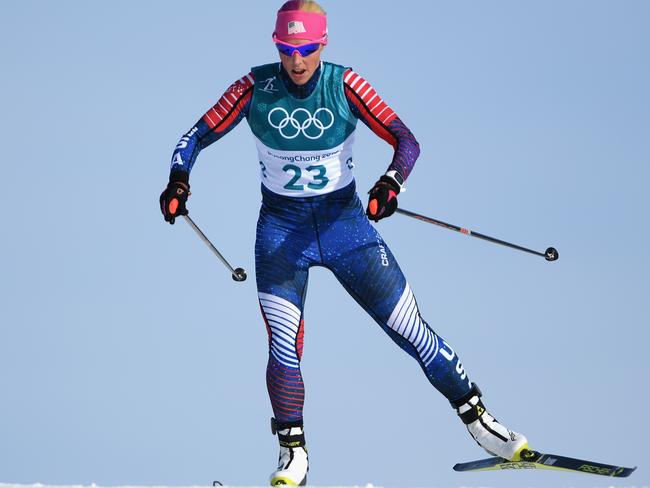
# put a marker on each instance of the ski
(538, 460)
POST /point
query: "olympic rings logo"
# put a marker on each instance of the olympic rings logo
(296, 127)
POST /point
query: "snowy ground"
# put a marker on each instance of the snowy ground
(40, 485)
(93, 485)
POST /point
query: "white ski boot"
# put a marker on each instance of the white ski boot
(293, 462)
(496, 439)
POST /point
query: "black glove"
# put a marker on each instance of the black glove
(173, 198)
(382, 201)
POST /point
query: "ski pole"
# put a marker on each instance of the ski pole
(550, 254)
(238, 274)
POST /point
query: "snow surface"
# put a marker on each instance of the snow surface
(369, 485)
(93, 485)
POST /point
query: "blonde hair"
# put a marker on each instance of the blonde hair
(304, 5)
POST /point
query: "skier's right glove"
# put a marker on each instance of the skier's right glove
(173, 199)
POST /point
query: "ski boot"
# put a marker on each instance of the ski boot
(293, 462)
(496, 439)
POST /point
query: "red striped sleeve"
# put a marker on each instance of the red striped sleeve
(367, 94)
(226, 110)
(377, 114)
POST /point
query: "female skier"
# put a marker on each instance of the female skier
(303, 113)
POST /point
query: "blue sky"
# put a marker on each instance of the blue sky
(128, 355)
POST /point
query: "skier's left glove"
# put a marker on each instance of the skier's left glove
(382, 201)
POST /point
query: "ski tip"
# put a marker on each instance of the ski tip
(625, 472)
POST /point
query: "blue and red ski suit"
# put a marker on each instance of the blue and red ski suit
(301, 224)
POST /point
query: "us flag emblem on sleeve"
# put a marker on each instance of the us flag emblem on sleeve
(296, 27)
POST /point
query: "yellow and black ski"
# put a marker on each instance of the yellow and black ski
(538, 460)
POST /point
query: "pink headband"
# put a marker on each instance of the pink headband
(297, 24)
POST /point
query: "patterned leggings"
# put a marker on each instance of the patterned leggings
(332, 231)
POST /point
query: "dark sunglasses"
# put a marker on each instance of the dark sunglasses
(303, 49)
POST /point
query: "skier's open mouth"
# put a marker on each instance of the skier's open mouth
(299, 72)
